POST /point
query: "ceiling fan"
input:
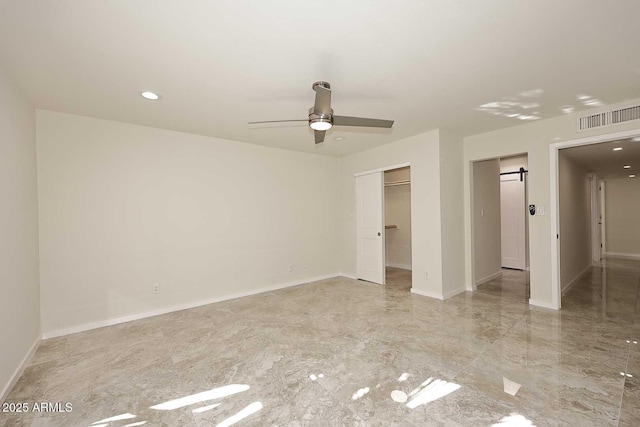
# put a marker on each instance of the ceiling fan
(321, 117)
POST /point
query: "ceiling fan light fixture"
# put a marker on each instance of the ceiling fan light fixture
(320, 124)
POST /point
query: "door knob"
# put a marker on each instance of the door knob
(379, 233)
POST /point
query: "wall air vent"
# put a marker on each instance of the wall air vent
(627, 114)
(593, 121)
(608, 118)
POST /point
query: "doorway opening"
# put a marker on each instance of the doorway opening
(397, 214)
(500, 226)
(587, 235)
(612, 162)
(383, 226)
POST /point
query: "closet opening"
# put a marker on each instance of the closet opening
(397, 215)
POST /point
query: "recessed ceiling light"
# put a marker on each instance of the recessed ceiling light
(636, 139)
(339, 138)
(627, 166)
(617, 149)
(632, 176)
(149, 95)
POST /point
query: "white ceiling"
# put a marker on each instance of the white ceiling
(219, 64)
(606, 163)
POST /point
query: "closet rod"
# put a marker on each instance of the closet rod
(394, 183)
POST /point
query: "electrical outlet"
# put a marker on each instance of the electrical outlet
(290, 267)
(155, 288)
(540, 210)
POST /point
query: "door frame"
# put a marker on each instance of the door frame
(603, 234)
(472, 286)
(355, 190)
(596, 248)
(554, 191)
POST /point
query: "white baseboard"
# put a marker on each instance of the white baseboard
(398, 265)
(568, 286)
(132, 317)
(427, 294)
(19, 370)
(454, 292)
(621, 255)
(542, 304)
(488, 278)
(349, 276)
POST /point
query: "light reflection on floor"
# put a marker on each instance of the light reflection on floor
(216, 393)
(514, 420)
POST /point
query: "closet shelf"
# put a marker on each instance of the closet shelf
(386, 227)
(394, 183)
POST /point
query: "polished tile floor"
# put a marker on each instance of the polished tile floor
(333, 353)
(398, 279)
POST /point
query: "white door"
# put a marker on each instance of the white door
(512, 216)
(370, 227)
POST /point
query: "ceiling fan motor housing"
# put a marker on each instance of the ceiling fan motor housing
(325, 85)
(320, 117)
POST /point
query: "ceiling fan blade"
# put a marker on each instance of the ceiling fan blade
(361, 121)
(323, 100)
(319, 134)
(278, 121)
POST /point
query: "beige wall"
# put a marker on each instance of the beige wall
(400, 174)
(422, 151)
(622, 205)
(19, 288)
(123, 207)
(397, 211)
(487, 261)
(534, 139)
(574, 191)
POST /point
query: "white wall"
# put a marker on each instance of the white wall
(422, 151)
(451, 213)
(427, 189)
(19, 288)
(622, 204)
(575, 219)
(487, 255)
(532, 138)
(123, 207)
(397, 211)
